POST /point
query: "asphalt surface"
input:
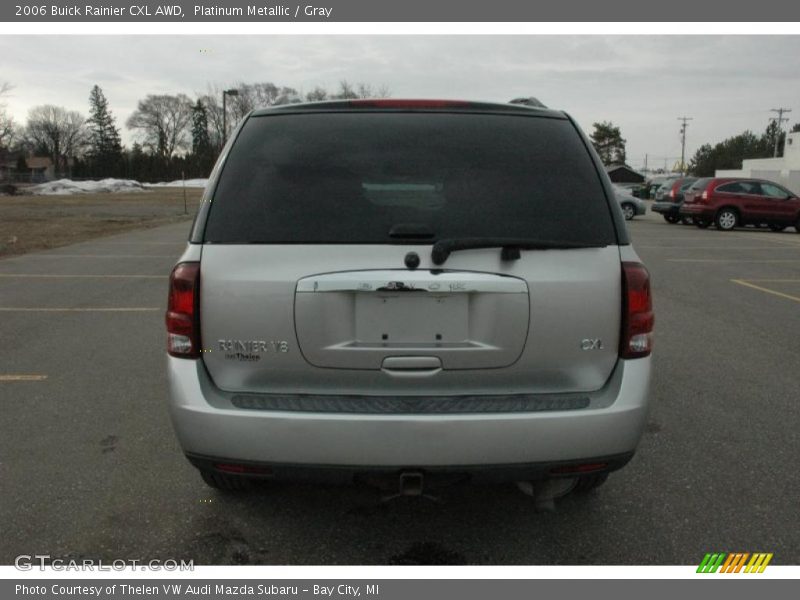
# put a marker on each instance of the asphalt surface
(90, 468)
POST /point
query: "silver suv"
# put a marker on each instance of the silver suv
(409, 289)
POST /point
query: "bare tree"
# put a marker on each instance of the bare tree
(58, 131)
(7, 128)
(250, 96)
(258, 95)
(163, 122)
(212, 100)
(318, 94)
(348, 91)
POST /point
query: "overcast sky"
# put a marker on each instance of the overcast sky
(642, 84)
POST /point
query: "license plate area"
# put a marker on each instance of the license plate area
(358, 319)
(411, 318)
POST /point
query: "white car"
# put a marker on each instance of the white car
(631, 205)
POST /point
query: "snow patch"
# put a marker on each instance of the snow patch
(66, 187)
(189, 183)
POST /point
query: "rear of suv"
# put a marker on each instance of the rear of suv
(409, 289)
(670, 196)
(733, 202)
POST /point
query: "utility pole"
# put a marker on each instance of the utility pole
(779, 119)
(683, 142)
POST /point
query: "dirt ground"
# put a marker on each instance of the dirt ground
(30, 223)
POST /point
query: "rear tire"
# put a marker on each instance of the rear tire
(587, 483)
(628, 211)
(687, 220)
(225, 482)
(671, 219)
(727, 219)
(777, 228)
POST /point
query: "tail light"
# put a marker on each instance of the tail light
(672, 193)
(704, 195)
(183, 316)
(636, 340)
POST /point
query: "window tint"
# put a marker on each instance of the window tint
(701, 184)
(687, 183)
(740, 187)
(344, 177)
(774, 191)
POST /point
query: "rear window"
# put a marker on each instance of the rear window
(701, 184)
(740, 187)
(343, 177)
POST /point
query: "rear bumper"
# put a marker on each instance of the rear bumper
(433, 474)
(696, 210)
(210, 427)
(666, 208)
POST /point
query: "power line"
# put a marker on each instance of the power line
(779, 119)
(683, 141)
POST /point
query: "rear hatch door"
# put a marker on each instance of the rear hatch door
(317, 270)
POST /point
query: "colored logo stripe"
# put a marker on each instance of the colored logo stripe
(758, 563)
(711, 563)
(734, 562)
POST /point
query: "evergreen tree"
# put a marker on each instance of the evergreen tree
(105, 145)
(609, 143)
(729, 153)
(202, 150)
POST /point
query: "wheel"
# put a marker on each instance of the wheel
(672, 219)
(776, 227)
(587, 483)
(687, 220)
(628, 211)
(225, 482)
(702, 224)
(727, 219)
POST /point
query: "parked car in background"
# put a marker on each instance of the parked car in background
(733, 202)
(631, 205)
(652, 186)
(670, 197)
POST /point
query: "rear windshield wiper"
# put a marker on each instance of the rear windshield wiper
(510, 246)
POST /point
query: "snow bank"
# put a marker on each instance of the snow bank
(66, 187)
(192, 183)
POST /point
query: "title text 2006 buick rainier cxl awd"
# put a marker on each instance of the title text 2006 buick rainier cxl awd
(409, 289)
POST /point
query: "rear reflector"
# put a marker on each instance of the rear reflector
(183, 327)
(636, 339)
(243, 469)
(393, 103)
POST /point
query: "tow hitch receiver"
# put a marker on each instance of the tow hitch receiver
(411, 483)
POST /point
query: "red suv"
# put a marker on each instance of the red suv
(732, 202)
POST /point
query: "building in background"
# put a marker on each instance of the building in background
(784, 170)
(623, 174)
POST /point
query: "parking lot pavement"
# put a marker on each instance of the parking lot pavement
(89, 465)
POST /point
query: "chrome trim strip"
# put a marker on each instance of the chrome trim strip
(412, 281)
